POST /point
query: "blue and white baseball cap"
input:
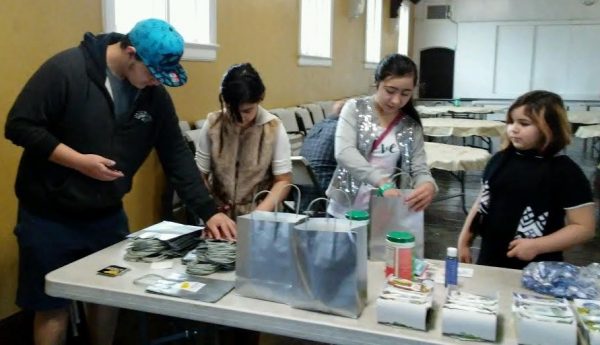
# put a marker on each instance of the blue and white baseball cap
(160, 47)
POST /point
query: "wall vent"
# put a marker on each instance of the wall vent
(438, 12)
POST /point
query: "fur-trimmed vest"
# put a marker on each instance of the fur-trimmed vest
(240, 160)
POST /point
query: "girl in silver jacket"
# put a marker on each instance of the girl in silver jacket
(378, 136)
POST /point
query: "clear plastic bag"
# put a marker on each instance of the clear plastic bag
(561, 279)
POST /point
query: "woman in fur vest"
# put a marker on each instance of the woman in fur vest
(243, 149)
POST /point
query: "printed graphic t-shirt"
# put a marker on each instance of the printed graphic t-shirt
(525, 196)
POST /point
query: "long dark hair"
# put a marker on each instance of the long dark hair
(241, 84)
(397, 65)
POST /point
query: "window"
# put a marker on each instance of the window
(315, 32)
(195, 20)
(373, 33)
(403, 28)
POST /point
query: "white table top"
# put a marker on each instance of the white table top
(79, 281)
(455, 158)
(584, 117)
(441, 126)
(448, 109)
(588, 131)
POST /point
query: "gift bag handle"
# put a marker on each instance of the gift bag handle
(276, 208)
(400, 173)
(261, 193)
(299, 196)
(309, 207)
(345, 195)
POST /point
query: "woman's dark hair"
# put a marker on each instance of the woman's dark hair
(397, 65)
(241, 84)
(547, 112)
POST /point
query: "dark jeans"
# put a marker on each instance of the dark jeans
(45, 245)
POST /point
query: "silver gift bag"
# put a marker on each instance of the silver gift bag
(330, 256)
(264, 257)
(392, 214)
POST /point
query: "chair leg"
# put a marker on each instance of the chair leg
(463, 197)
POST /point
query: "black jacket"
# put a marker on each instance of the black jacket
(66, 101)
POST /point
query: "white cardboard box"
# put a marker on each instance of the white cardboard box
(400, 313)
(535, 332)
(469, 324)
(591, 336)
(543, 331)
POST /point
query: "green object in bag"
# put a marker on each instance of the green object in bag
(357, 215)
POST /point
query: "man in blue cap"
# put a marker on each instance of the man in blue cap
(87, 120)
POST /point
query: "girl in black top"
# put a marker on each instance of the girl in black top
(534, 202)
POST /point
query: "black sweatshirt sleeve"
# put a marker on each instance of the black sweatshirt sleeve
(38, 106)
(179, 165)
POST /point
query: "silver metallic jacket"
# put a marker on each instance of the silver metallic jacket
(353, 166)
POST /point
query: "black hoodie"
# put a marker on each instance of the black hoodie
(66, 101)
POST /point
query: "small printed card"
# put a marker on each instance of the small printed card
(113, 270)
(159, 265)
(174, 288)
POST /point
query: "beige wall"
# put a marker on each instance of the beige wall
(264, 32)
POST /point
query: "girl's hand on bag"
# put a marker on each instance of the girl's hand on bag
(523, 249)
(392, 193)
(421, 197)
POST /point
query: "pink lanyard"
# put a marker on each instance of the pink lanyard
(387, 130)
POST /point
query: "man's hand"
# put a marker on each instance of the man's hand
(91, 165)
(98, 167)
(221, 227)
(523, 249)
(421, 197)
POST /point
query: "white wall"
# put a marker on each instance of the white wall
(440, 33)
(522, 10)
(506, 47)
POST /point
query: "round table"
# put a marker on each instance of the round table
(456, 160)
(462, 127)
(584, 117)
(455, 157)
(587, 132)
(453, 110)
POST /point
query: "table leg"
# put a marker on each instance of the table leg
(460, 177)
(485, 140)
(463, 197)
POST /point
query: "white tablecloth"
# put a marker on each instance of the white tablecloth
(584, 117)
(448, 109)
(586, 132)
(462, 127)
(455, 158)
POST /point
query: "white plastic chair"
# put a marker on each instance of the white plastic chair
(316, 111)
(304, 116)
(327, 107)
(288, 119)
